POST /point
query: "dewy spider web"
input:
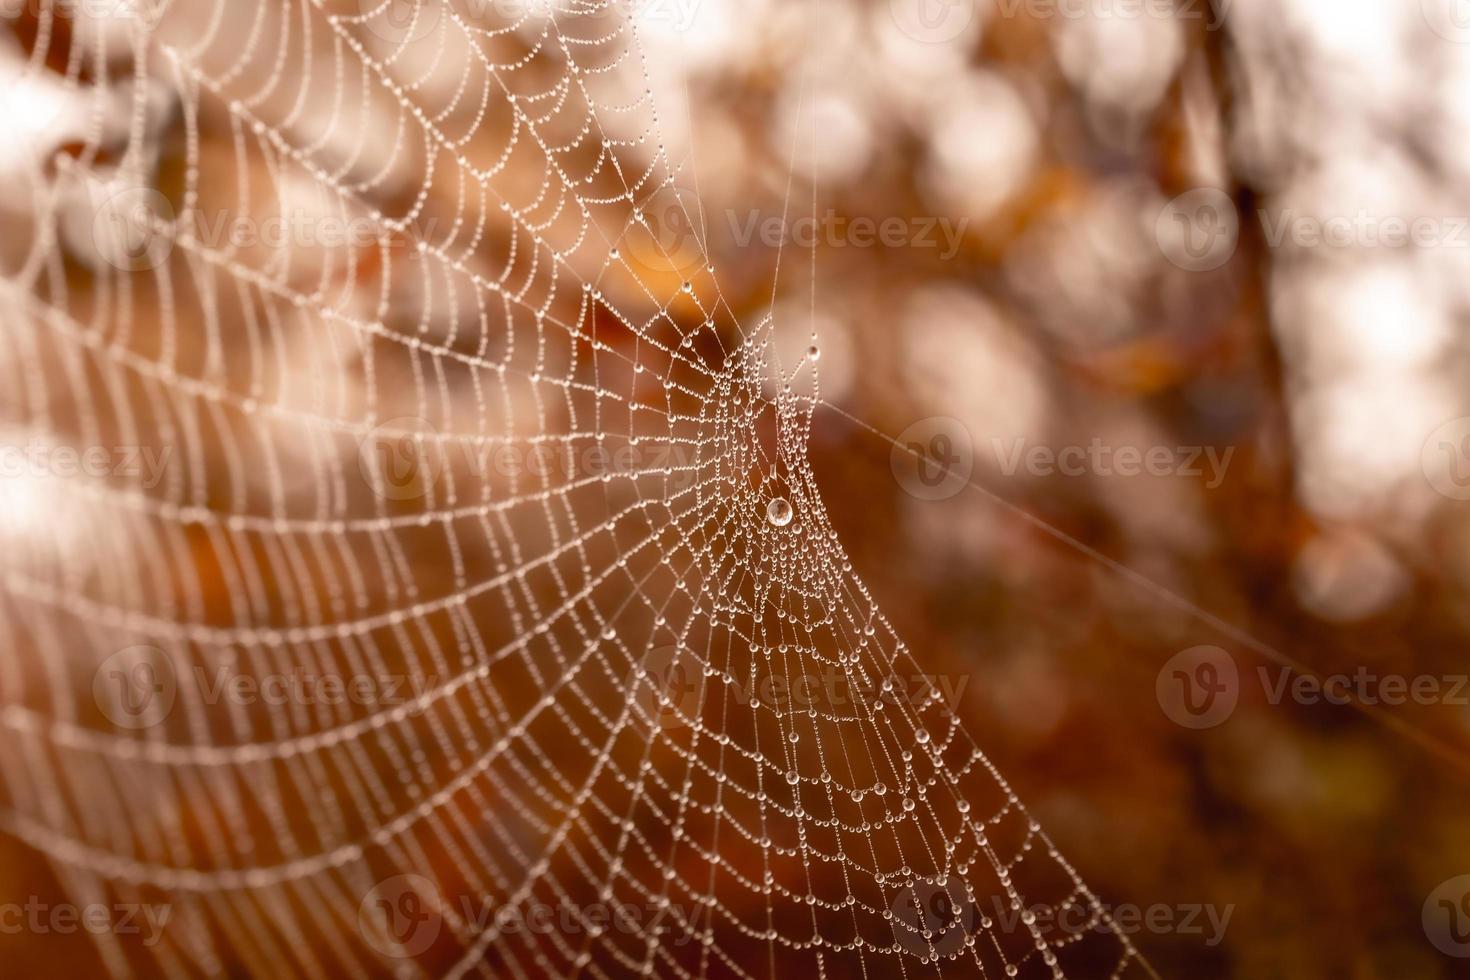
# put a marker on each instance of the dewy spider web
(473, 441)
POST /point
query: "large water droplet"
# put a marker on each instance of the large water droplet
(779, 511)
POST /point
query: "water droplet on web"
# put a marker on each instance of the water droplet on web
(813, 607)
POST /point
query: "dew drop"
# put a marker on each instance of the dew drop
(779, 511)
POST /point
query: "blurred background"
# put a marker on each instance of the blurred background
(1179, 289)
(1301, 330)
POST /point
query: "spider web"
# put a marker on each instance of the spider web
(478, 439)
